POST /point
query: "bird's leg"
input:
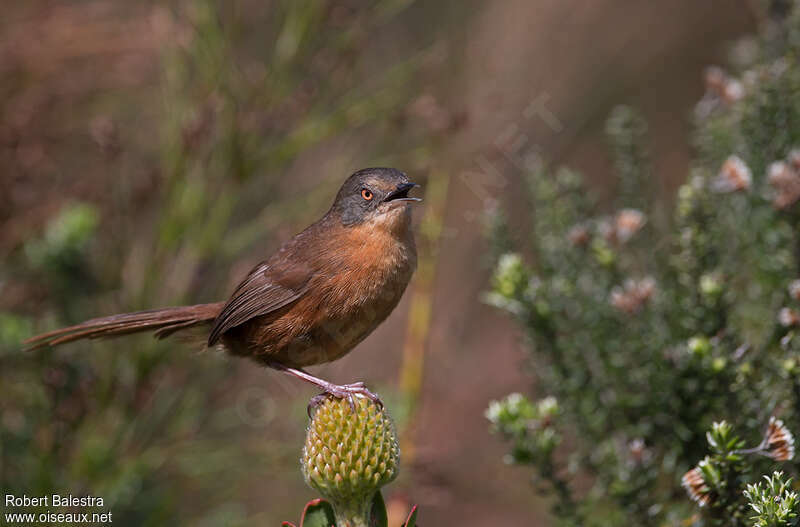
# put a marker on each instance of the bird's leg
(340, 391)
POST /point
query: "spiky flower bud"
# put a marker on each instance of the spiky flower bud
(627, 223)
(633, 295)
(788, 317)
(696, 486)
(785, 180)
(734, 176)
(349, 454)
(778, 441)
(720, 86)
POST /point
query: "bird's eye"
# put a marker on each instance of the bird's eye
(366, 194)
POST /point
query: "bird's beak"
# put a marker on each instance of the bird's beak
(401, 193)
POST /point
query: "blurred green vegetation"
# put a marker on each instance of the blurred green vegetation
(663, 349)
(243, 90)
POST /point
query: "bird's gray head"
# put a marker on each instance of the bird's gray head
(374, 194)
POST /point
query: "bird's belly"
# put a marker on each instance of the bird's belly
(340, 330)
(325, 343)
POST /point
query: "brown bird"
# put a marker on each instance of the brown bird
(322, 293)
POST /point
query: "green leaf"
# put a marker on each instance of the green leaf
(318, 513)
(411, 521)
(378, 516)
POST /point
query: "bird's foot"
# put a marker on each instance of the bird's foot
(345, 391)
(340, 391)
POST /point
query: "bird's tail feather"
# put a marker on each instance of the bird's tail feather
(163, 322)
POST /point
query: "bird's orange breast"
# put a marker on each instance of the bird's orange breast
(361, 274)
(369, 265)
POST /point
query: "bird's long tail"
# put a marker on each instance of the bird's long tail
(163, 322)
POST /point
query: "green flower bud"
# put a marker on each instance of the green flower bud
(603, 254)
(718, 364)
(349, 455)
(710, 285)
(547, 407)
(790, 365)
(510, 277)
(699, 346)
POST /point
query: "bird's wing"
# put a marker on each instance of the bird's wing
(268, 287)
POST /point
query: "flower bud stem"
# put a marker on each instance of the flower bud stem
(352, 513)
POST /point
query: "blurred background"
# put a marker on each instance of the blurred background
(153, 152)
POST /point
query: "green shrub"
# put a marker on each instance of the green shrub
(666, 348)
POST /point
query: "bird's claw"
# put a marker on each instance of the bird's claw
(344, 391)
(315, 402)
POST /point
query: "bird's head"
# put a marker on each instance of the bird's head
(375, 195)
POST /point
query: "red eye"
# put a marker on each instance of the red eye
(366, 194)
